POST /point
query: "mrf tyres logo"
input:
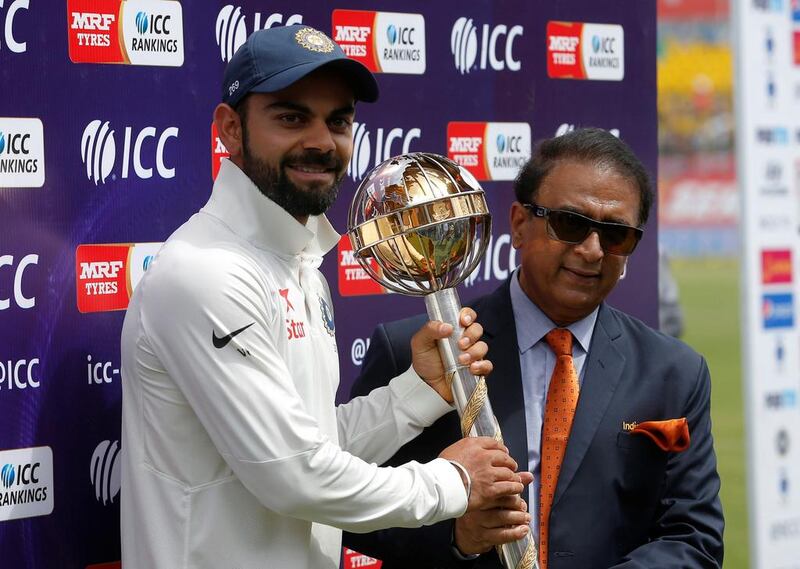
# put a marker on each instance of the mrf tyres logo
(21, 153)
(105, 275)
(134, 32)
(353, 279)
(479, 47)
(9, 11)
(489, 150)
(104, 471)
(370, 148)
(26, 483)
(231, 27)
(385, 42)
(585, 51)
(144, 150)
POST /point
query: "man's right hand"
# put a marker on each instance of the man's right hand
(491, 470)
(479, 531)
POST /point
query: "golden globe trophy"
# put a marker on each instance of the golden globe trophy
(419, 225)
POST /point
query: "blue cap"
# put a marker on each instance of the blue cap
(273, 59)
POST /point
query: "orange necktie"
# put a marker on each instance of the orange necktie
(562, 398)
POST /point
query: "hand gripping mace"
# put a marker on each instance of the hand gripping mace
(419, 225)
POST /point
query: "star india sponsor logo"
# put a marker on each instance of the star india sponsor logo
(133, 32)
(483, 46)
(21, 153)
(385, 42)
(104, 471)
(143, 152)
(489, 150)
(10, 10)
(26, 483)
(577, 50)
(231, 30)
(388, 142)
(106, 275)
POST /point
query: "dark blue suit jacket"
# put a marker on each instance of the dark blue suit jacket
(620, 501)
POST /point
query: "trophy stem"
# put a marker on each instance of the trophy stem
(474, 408)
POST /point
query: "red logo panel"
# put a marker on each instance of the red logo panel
(218, 152)
(356, 560)
(353, 279)
(465, 146)
(352, 30)
(564, 50)
(776, 266)
(94, 31)
(101, 277)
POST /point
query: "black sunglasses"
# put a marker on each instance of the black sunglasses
(571, 227)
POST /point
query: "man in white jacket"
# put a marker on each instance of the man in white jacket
(234, 454)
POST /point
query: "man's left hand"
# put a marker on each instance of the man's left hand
(425, 356)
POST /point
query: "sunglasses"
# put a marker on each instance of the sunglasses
(574, 228)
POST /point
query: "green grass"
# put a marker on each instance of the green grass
(709, 293)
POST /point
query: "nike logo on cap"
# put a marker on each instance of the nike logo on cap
(220, 343)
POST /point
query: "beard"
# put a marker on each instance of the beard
(314, 199)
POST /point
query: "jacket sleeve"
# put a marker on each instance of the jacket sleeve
(687, 530)
(247, 401)
(427, 547)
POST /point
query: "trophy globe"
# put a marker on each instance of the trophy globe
(419, 225)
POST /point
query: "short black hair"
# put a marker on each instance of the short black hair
(592, 145)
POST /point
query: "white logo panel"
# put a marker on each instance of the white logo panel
(21, 153)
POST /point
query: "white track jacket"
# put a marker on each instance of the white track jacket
(234, 455)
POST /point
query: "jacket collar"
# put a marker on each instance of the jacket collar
(238, 203)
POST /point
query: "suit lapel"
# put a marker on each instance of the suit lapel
(505, 385)
(605, 365)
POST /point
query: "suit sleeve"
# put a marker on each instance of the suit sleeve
(423, 548)
(687, 531)
(248, 403)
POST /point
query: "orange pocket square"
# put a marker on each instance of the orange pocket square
(671, 435)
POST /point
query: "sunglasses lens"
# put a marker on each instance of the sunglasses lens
(574, 228)
(568, 226)
(619, 240)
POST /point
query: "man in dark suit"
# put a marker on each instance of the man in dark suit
(636, 483)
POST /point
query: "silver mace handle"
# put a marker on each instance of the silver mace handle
(474, 408)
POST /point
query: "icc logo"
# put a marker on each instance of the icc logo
(465, 49)
(605, 45)
(10, 41)
(20, 299)
(104, 471)
(231, 29)
(509, 143)
(99, 152)
(401, 35)
(362, 147)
